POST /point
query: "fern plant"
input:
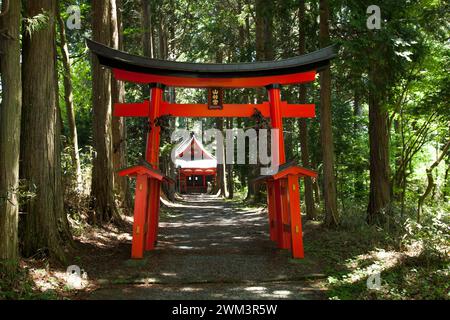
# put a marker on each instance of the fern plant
(36, 23)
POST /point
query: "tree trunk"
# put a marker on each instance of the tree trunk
(147, 25)
(221, 181)
(68, 98)
(168, 188)
(357, 111)
(264, 30)
(230, 179)
(162, 42)
(302, 124)
(45, 228)
(315, 185)
(264, 52)
(447, 183)
(148, 42)
(264, 35)
(430, 179)
(119, 135)
(10, 113)
(358, 180)
(380, 188)
(329, 182)
(309, 197)
(102, 172)
(399, 185)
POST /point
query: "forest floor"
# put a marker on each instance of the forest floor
(210, 248)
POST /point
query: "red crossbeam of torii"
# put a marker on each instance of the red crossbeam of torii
(283, 194)
(142, 109)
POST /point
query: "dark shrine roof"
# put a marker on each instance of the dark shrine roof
(314, 61)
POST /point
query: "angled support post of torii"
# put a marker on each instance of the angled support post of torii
(146, 177)
(140, 214)
(289, 174)
(287, 230)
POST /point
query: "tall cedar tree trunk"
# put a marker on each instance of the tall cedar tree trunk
(221, 179)
(264, 52)
(309, 197)
(148, 42)
(164, 31)
(121, 185)
(102, 172)
(149, 50)
(329, 190)
(316, 188)
(229, 167)
(168, 188)
(68, 98)
(264, 30)
(45, 225)
(220, 185)
(10, 113)
(380, 188)
(358, 181)
(147, 26)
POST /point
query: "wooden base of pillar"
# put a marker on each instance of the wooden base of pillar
(285, 215)
(153, 215)
(271, 210)
(140, 212)
(295, 217)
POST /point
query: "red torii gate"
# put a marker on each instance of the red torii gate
(283, 193)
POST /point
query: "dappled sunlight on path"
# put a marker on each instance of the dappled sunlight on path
(209, 248)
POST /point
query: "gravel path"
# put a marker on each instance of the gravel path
(212, 249)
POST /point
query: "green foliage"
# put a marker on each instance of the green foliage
(433, 234)
(77, 197)
(82, 99)
(411, 280)
(18, 285)
(36, 23)
(26, 191)
(412, 258)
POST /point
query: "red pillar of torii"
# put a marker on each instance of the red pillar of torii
(283, 189)
(152, 157)
(274, 188)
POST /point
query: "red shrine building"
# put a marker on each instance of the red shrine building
(196, 167)
(283, 189)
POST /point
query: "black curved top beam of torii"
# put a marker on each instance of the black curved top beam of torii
(139, 65)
